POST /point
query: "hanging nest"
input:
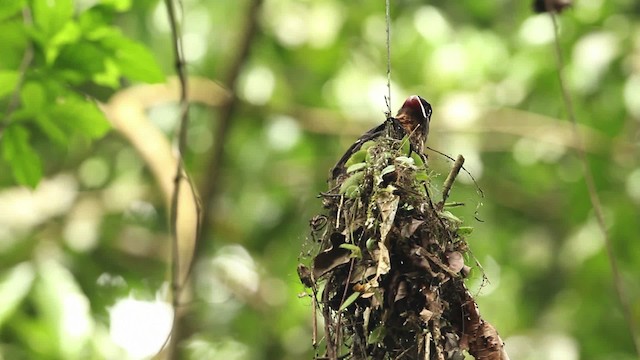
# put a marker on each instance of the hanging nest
(385, 264)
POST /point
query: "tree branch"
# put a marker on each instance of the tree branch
(591, 187)
(178, 282)
(227, 110)
(448, 183)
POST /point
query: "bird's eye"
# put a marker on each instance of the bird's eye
(424, 112)
(425, 107)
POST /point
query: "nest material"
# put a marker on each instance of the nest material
(386, 265)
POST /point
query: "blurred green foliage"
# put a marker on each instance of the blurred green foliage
(92, 230)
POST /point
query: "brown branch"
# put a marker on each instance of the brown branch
(591, 187)
(209, 187)
(177, 282)
(475, 182)
(127, 112)
(532, 126)
(448, 183)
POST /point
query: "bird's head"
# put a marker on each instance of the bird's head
(415, 115)
(417, 109)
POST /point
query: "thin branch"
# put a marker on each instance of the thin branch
(475, 182)
(388, 24)
(593, 192)
(27, 58)
(227, 111)
(177, 284)
(448, 183)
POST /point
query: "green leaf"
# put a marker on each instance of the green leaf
(464, 230)
(117, 5)
(135, 61)
(356, 167)
(33, 96)
(367, 145)
(69, 34)
(80, 116)
(8, 82)
(23, 160)
(138, 63)
(352, 192)
(51, 16)
(405, 145)
(350, 186)
(422, 175)
(450, 217)
(10, 8)
(51, 129)
(350, 300)
(13, 38)
(356, 158)
(355, 250)
(417, 159)
(94, 24)
(377, 335)
(82, 61)
(14, 287)
(388, 170)
(110, 77)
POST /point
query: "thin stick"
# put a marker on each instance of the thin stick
(388, 23)
(475, 182)
(177, 284)
(227, 111)
(593, 192)
(330, 350)
(448, 183)
(314, 321)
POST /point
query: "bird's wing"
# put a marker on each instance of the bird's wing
(338, 168)
(391, 127)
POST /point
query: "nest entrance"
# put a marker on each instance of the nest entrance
(385, 265)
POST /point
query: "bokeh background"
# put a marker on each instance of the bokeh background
(84, 256)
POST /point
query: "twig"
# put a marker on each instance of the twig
(227, 110)
(314, 321)
(478, 188)
(330, 350)
(475, 182)
(388, 28)
(591, 187)
(453, 204)
(177, 284)
(448, 183)
(27, 58)
(344, 297)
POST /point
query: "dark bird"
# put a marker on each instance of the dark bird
(540, 6)
(413, 119)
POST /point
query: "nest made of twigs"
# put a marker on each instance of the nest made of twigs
(386, 264)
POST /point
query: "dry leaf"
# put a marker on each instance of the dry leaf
(384, 261)
(410, 227)
(456, 261)
(426, 315)
(388, 205)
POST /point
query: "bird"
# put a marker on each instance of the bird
(412, 119)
